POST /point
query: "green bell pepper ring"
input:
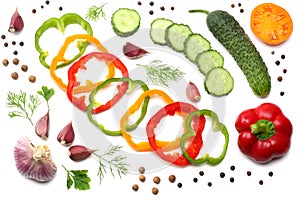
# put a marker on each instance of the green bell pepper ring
(216, 126)
(61, 24)
(132, 84)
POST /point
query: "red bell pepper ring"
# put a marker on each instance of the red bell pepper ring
(79, 102)
(264, 132)
(195, 145)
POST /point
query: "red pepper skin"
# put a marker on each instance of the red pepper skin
(79, 102)
(275, 145)
(195, 145)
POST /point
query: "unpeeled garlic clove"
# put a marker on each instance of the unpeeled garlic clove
(42, 126)
(66, 136)
(192, 92)
(79, 152)
(34, 162)
(16, 22)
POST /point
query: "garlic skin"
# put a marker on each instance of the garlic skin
(34, 162)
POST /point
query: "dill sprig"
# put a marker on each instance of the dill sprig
(95, 12)
(114, 165)
(24, 107)
(160, 73)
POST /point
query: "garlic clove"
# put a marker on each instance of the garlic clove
(79, 152)
(66, 136)
(16, 23)
(42, 126)
(34, 162)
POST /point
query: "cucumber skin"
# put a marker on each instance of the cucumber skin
(232, 36)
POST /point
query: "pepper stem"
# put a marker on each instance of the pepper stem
(199, 10)
(263, 129)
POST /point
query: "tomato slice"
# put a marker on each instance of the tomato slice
(271, 23)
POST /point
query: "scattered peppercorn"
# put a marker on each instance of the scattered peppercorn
(16, 61)
(231, 179)
(272, 52)
(232, 167)
(172, 178)
(32, 79)
(232, 5)
(139, 3)
(47, 2)
(241, 10)
(261, 182)
(279, 78)
(162, 8)
(142, 170)
(15, 52)
(179, 185)
(201, 173)
(282, 56)
(172, 8)
(13, 43)
(209, 184)
(135, 187)
(284, 71)
(155, 191)
(151, 3)
(14, 75)
(60, 8)
(222, 174)
(195, 180)
(142, 178)
(21, 44)
(239, 4)
(277, 62)
(5, 62)
(271, 174)
(156, 180)
(3, 36)
(281, 93)
(24, 68)
(151, 12)
(5, 44)
(248, 173)
(42, 6)
(33, 11)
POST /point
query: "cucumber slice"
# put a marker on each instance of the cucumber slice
(158, 30)
(195, 44)
(125, 21)
(218, 82)
(208, 60)
(176, 35)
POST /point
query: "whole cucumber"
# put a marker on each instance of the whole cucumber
(232, 36)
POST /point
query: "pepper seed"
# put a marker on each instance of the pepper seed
(142, 178)
(15, 75)
(16, 61)
(172, 178)
(156, 180)
(155, 191)
(32, 79)
(5, 62)
(135, 187)
(142, 170)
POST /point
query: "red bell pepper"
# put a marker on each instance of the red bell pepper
(110, 59)
(264, 132)
(193, 149)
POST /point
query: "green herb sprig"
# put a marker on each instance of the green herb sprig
(23, 107)
(95, 12)
(46, 93)
(115, 164)
(160, 73)
(79, 178)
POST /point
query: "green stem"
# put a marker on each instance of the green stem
(199, 10)
(263, 129)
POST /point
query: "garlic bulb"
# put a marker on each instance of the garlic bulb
(34, 162)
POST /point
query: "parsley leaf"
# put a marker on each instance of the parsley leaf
(46, 93)
(78, 178)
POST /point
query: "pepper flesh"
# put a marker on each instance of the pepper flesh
(195, 145)
(132, 84)
(111, 60)
(264, 132)
(216, 126)
(61, 24)
(60, 58)
(143, 146)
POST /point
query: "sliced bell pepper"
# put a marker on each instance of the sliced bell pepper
(264, 132)
(61, 24)
(111, 60)
(183, 109)
(216, 126)
(60, 58)
(142, 146)
(132, 84)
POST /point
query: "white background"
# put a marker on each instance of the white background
(286, 176)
